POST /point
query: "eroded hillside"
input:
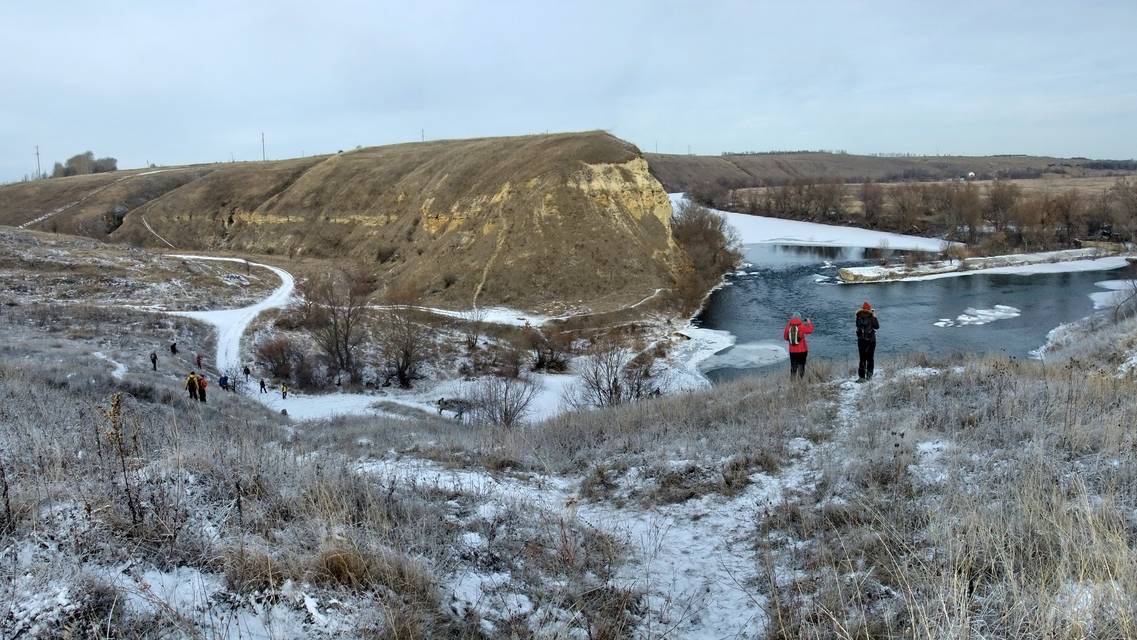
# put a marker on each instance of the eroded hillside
(541, 222)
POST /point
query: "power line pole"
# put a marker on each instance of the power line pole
(422, 135)
(39, 172)
(263, 156)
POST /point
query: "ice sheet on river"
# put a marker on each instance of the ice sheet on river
(972, 316)
(764, 230)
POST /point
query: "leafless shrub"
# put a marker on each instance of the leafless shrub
(711, 246)
(278, 356)
(502, 402)
(473, 327)
(609, 375)
(549, 352)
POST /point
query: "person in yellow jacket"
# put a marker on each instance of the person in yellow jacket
(283, 391)
(191, 385)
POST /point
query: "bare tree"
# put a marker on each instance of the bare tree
(908, 202)
(339, 305)
(1124, 197)
(1067, 210)
(502, 402)
(872, 195)
(1002, 196)
(404, 343)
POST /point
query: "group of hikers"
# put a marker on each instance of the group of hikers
(867, 325)
(195, 383)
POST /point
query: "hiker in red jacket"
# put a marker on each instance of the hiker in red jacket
(795, 334)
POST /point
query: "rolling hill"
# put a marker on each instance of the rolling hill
(541, 222)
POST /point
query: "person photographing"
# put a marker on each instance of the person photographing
(867, 325)
(795, 333)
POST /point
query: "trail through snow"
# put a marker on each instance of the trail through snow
(119, 368)
(232, 323)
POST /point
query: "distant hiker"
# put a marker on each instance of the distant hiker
(198, 360)
(223, 382)
(173, 348)
(247, 372)
(283, 391)
(154, 360)
(191, 385)
(264, 389)
(867, 324)
(795, 333)
(201, 385)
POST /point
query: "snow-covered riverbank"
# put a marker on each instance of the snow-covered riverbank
(764, 230)
(1016, 264)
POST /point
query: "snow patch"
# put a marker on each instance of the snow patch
(1118, 291)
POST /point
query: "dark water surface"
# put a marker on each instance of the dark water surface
(783, 279)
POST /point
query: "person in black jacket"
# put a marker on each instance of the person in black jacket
(867, 324)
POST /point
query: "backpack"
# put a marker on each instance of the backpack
(864, 327)
(201, 382)
(795, 334)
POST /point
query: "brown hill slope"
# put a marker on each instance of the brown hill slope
(539, 222)
(684, 172)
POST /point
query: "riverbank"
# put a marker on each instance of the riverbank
(1092, 259)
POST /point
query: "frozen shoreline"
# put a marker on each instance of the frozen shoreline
(1067, 261)
(764, 230)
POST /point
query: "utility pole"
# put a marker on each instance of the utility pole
(422, 135)
(263, 156)
(39, 172)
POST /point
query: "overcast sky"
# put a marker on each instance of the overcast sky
(180, 82)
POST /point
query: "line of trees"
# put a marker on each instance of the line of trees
(83, 164)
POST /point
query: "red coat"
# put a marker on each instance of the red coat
(804, 329)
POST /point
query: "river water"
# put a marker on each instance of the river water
(981, 314)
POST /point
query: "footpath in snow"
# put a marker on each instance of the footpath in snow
(231, 325)
(1017, 264)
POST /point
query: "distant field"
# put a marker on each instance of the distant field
(687, 172)
(1049, 185)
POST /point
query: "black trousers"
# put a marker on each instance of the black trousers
(866, 348)
(797, 364)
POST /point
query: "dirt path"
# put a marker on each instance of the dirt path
(89, 195)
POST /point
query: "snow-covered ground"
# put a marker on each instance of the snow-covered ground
(1017, 264)
(232, 323)
(764, 230)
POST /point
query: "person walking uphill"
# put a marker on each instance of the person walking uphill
(191, 385)
(795, 334)
(867, 324)
(154, 360)
(201, 385)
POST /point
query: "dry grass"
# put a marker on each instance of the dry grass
(1020, 527)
